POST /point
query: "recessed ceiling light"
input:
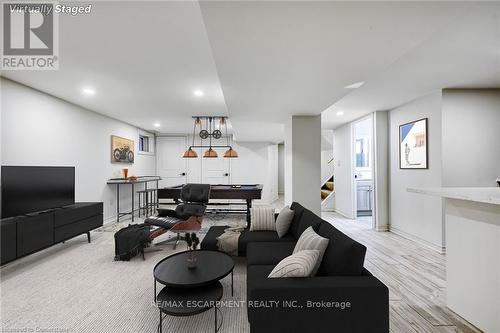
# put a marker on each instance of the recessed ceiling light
(340, 113)
(156, 124)
(355, 85)
(199, 93)
(88, 91)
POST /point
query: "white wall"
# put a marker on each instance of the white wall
(272, 173)
(471, 137)
(327, 166)
(281, 168)
(417, 216)
(1, 116)
(363, 129)
(288, 163)
(257, 164)
(303, 159)
(343, 176)
(39, 129)
(326, 155)
(381, 169)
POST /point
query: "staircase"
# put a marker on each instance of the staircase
(327, 189)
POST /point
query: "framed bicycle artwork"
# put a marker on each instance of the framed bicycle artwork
(122, 150)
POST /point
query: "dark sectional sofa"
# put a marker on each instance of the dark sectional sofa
(342, 297)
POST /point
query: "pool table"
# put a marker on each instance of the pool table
(247, 192)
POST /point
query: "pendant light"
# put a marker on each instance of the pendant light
(210, 153)
(190, 153)
(210, 127)
(230, 153)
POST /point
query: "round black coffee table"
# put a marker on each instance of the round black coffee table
(189, 291)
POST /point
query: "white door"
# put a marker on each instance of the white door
(216, 170)
(170, 163)
(194, 168)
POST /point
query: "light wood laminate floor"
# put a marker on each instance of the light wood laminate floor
(415, 275)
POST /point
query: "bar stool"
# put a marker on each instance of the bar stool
(147, 201)
(153, 202)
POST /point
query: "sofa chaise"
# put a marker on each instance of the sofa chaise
(342, 297)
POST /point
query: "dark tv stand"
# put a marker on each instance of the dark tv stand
(26, 234)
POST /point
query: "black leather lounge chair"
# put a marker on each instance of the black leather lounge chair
(187, 216)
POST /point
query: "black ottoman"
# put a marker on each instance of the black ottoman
(246, 237)
(209, 242)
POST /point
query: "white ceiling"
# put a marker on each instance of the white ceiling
(465, 54)
(277, 59)
(144, 60)
(261, 62)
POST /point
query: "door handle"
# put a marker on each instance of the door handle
(183, 174)
(226, 174)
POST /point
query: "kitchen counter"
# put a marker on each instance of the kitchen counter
(472, 231)
(489, 195)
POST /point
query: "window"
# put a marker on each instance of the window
(362, 153)
(144, 143)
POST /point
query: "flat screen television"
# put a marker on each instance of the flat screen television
(28, 189)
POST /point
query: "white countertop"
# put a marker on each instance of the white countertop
(490, 195)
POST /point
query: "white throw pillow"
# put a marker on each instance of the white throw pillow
(310, 240)
(262, 218)
(284, 220)
(299, 264)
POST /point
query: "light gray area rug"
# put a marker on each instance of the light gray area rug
(77, 287)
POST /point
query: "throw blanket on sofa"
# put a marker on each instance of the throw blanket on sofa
(228, 241)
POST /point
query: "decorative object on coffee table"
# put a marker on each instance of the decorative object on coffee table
(125, 173)
(192, 242)
(200, 288)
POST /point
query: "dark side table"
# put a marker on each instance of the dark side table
(192, 291)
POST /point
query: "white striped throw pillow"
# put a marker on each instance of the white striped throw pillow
(284, 220)
(310, 240)
(262, 218)
(300, 264)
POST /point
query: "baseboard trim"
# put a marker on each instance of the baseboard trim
(382, 228)
(343, 214)
(127, 218)
(109, 220)
(399, 232)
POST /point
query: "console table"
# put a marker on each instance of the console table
(121, 181)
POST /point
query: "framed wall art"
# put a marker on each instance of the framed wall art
(413, 150)
(122, 150)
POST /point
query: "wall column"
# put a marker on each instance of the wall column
(303, 162)
(381, 169)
